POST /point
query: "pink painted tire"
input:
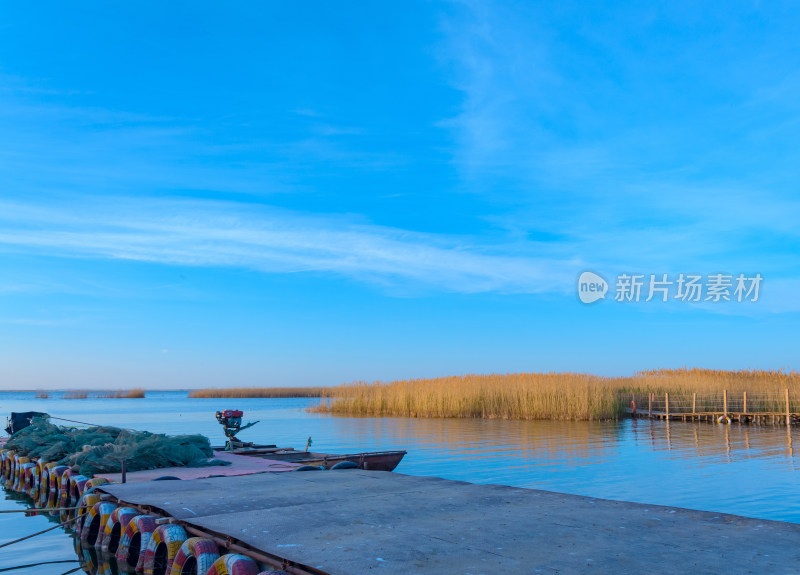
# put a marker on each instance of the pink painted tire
(234, 564)
(76, 483)
(94, 522)
(115, 527)
(134, 540)
(195, 555)
(163, 548)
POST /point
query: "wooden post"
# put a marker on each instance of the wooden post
(694, 403)
(725, 402)
(744, 401)
(788, 416)
(666, 402)
(649, 405)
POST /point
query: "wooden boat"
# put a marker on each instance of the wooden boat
(373, 460)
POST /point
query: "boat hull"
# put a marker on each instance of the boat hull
(377, 461)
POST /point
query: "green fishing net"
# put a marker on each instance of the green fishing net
(101, 449)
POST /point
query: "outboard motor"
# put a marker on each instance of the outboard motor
(22, 420)
(231, 421)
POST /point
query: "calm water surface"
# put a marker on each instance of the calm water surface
(743, 470)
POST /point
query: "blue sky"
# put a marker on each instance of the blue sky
(200, 194)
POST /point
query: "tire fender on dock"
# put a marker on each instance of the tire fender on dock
(37, 480)
(94, 522)
(8, 468)
(84, 506)
(55, 485)
(196, 554)
(234, 564)
(25, 482)
(19, 462)
(135, 539)
(6, 457)
(63, 488)
(94, 482)
(115, 527)
(44, 483)
(163, 548)
(76, 487)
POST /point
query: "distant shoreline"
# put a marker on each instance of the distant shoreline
(549, 396)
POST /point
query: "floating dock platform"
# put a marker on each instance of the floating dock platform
(352, 522)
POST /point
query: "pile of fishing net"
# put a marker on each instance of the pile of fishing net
(102, 449)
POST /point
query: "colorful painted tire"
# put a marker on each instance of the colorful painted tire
(84, 507)
(55, 485)
(115, 527)
(196, 555)
(163, 548)
(724, 419)
(25, 477)
(76, 484)
(10, 469)
(94, 522)
(94, 482)
(63, 488)
(6, 459)
(234, 564)
(134, 540)
(9, 475)
(36, 480)
(18, 463)
(44, 484)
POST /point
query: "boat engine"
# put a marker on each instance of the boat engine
(231, 421)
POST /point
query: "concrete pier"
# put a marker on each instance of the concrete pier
(351, 522)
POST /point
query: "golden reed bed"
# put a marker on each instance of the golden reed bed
(565, 396)
(262, 392)
(136, 393)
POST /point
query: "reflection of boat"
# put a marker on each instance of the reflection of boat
(374, 460)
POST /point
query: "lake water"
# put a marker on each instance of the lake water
(751, 471)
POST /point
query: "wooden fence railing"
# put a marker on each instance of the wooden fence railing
(757, 407)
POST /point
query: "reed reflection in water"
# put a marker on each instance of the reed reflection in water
(746, 470)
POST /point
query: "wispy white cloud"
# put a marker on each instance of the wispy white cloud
(210, 233)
